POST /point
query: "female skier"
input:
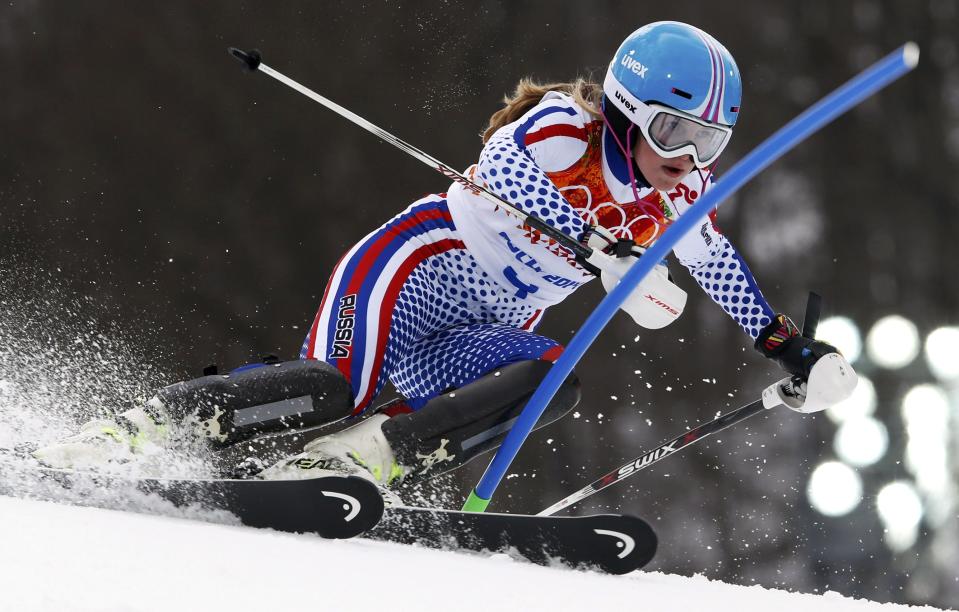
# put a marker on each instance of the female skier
(443, 299)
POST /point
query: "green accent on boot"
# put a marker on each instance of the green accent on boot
(140, 438)
(376, 471)
(397, 473)
(355, 456)
(136, 441)
(113, 433)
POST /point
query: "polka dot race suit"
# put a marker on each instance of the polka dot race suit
(452, 287)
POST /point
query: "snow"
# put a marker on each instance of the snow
(56, 557)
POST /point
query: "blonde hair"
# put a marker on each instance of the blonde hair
(528, 93)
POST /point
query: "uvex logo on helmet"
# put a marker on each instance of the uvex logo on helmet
(635, 66)
(627, 103)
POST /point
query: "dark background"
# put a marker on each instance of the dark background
(197, 211)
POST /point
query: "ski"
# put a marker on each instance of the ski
(332, 506)
(349, 506)
(612, 543)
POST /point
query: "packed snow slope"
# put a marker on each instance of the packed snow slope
(61, 558)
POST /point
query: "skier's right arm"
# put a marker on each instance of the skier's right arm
(550, 137)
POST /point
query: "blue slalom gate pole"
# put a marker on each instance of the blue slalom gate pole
(838, 102)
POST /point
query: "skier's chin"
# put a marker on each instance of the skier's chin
(664, 180)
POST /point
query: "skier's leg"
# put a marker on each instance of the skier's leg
(387, 293)
(365, 321)
(455, 427)
(258, 398)
(466, 387)
(373, 308)
(384, 295)
(223, 409)
(502, 367)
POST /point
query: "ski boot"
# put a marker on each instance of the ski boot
(361, 450)
(136, 432)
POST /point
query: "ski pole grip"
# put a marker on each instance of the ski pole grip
(251, 59)
(813, 312)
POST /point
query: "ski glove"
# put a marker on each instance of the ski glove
(656, 302)
(796, 354)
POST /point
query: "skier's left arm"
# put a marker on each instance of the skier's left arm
(722, 273)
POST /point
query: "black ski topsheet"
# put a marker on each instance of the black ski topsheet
(349, 506)
(332, 507)
(609, 542)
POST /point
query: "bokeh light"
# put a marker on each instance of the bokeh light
(861, 441)
(861, 403)
(834, 489)
(893, 342)
(900, 510)
(925, 411)
(926, 415)
(941, 352)
(842, 333)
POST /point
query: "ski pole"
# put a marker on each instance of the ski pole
(254, 61)
(647, 459)
(768, 400)
(868, 82)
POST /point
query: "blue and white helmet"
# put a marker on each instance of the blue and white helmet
(672, 66)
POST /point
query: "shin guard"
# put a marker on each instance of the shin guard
(455, 427)
(264, 398)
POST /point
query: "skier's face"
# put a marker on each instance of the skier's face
(662, 173)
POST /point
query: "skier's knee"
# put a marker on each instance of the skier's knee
(258, 399)
(455, 427)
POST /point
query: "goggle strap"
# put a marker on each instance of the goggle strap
(612, 132)
(651, 211)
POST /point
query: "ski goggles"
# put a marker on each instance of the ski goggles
(672, 133)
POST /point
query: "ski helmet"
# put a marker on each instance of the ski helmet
(679, 86)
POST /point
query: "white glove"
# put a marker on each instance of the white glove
(656, 302)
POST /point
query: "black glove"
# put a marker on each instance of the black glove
(796, 354)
